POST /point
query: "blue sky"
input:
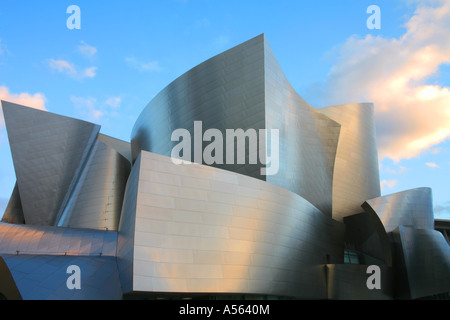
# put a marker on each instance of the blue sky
(127, 51)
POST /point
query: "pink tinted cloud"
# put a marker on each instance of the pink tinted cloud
(412, 114)
(36, 100)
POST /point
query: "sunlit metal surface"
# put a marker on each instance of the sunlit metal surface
(408, 208)
(245, 87)
(96, 201)
(43, 277)
(122, 147)
(48, 151)
(356, 174)
(29, 239)
(424, 259)
(308, 138)
(195, 228)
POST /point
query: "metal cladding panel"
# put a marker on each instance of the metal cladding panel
(43, 277)
(28, 239)
(426, 256)
(127, 224)
(201, 229)
(245, 88)
(349, 282)
(96, 201)
(356, 174)
(122, 147)
(14, 212)
(307, 139)
(409, 208)
(365, 233)
(224, 92)
(48, 151)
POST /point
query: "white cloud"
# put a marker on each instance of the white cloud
(412, 114)
(93, 110)
(113, 102)
(87, 50)
(71, 70)
(36, 100)
(431, 165)
(388, 184)
(400, 170)
(135, 63)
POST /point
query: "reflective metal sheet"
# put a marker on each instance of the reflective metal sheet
(265, 241)
(424, 268)
(356, 174)
(97, 198)
(48, 151)
(412, 207)
(43, 277)
(29, 239)
(244, 87)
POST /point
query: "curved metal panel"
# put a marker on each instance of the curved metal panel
(127, 224)
(122, 147)
(409, 208)
(203, 229)
(28, 239)
(308, 138)
(48, 151)
(42, 277)
(365, 233)
(224, 92)
(356, 174)
(426, 262)
(245, 88)
(96, 201)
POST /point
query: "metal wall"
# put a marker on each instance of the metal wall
(127, 225)
(44, 277)
(96, 201)
(356, 174)
(308, 138)
(224, 92)
(48, 152)
(29, 239)
(412, 207)
(245, 87)
(201, 229)
(349, 282)
(424, 262)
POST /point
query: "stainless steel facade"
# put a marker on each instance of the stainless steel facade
(140, 225)
(244, 88)
(409, 208)
(356, 176)
(201, 229)
(96, 201)
(48, 151)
